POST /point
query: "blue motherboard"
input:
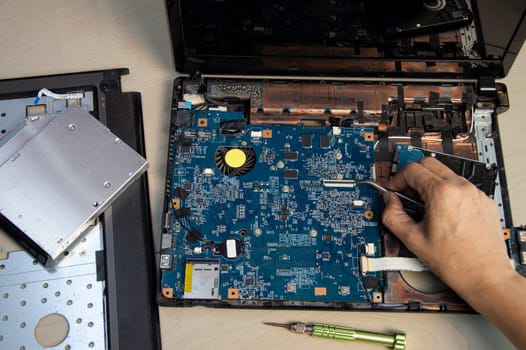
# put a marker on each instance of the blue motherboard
(251, 217)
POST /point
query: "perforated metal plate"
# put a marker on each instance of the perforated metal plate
(29, 292)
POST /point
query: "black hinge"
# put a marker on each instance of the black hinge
(487, 87)
(503, 102)
(492, 94)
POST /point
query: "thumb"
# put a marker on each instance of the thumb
(394, 217)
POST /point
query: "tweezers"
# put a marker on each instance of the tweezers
(412, 207)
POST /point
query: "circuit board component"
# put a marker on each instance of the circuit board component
(480, 174)
(251, 219)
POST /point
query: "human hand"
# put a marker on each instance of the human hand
(460, 237)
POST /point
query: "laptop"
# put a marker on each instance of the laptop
(286, 106)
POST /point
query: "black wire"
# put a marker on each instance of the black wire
(233, 105)
(186, 226)
(181, 129)
(362, 282)
(178, 143)
(182, 224)
(362, 279)
(200, 106)
(212, 100)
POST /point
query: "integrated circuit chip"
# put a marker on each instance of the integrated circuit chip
(306, 141)
(290, 174)
(290, 155)
(325, 141)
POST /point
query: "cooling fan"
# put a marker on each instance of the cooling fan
(235, 161)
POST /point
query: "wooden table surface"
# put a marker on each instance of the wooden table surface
(49, 37)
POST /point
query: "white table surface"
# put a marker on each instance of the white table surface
(49, 37)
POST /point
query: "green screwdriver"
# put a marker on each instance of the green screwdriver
(394, 341)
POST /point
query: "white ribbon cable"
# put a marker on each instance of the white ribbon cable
(391, 264)
(56, 96)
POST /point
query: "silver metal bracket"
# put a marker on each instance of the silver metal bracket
(486, 149)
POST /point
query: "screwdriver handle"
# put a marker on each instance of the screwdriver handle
(395, 341)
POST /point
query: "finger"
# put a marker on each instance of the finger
(415, 176)
(400, 224)
(438, 168)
